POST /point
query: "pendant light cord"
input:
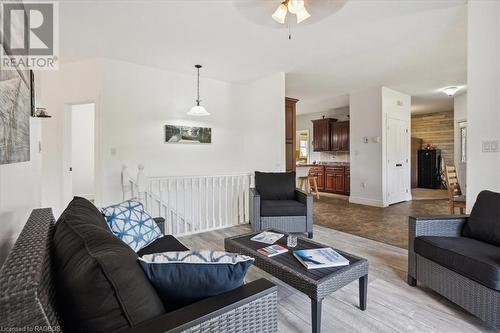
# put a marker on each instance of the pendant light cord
(198, 87)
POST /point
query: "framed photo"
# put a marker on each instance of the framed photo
(187, 134)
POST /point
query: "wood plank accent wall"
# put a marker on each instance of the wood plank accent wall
(435, 128)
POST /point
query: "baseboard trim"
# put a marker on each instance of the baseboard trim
(367, 202)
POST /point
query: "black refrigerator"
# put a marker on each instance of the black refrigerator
(429, 168)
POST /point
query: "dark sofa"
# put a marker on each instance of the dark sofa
(459, 257)
(33, 294)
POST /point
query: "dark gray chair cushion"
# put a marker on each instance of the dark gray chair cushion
(275, 185)
(164, 244)
(484, 221)
(282, 208)
(477, 260)
(100, 286)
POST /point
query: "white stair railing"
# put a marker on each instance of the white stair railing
(193, 204)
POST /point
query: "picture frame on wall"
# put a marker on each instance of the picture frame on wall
(188, 134)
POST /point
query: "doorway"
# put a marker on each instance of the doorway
(80, 151)
(397, 161)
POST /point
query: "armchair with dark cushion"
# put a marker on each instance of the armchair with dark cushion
(459, 257)
(276, 203)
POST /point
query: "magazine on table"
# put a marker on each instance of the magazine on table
(320, 258)
(272, 250)
(267, 237)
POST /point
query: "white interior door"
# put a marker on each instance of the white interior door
(398, 167)
(80, 151)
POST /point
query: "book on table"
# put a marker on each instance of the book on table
(272, 250)
(267, 237)
(320, 258)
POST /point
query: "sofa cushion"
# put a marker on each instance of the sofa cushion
(484, 221)
(129, 222)
(182, 278)
(83, 211)
(166, 243)
(282, 208)
(479, 261)
(100, 286)
(275, 185)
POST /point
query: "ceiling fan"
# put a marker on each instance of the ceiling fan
(305, 12)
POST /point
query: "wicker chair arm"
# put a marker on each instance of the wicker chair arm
(445, 226)
(254, 192)
(254, 204)
(257, 299)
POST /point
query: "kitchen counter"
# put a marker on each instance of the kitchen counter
(325, 164)
(333, 177)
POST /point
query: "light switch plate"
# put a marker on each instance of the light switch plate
(490, 146)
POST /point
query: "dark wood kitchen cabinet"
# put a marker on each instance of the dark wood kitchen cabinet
(290, 126)
(333, 179)
(339, 136)
(321, 134)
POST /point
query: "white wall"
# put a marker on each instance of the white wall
(133, 103)
(304, 122)
(82, 149)
(20, 191)
(483, 100)
(74, 83)
(262, 123)
(369, 110)
(459, 115)
(366, 158)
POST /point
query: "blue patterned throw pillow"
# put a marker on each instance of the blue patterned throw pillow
(182, 278)
(129, 222)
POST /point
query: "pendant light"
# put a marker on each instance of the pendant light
(198, 110)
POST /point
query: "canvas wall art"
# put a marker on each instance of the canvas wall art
(187, 134)
(15, 112)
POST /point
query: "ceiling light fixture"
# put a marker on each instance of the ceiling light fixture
(296, 7)
(198, 110)
(450, 91)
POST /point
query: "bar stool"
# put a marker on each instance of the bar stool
(307, 182)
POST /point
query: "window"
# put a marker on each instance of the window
(302, 146)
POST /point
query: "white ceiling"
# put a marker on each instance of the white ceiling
(414, 46)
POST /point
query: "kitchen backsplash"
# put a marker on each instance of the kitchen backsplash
(329, 157)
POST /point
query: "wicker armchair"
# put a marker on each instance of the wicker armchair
(472, 296)
(275, 203)
(27, 294)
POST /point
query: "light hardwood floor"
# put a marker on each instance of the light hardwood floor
(393, 306)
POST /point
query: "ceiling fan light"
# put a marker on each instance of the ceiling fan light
(295, 6)
(198, 111)
(450, 91)
(303, 15)
(280, 14)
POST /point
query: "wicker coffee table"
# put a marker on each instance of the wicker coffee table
(315, 283)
